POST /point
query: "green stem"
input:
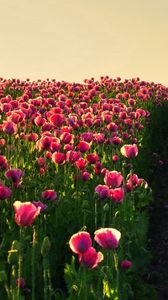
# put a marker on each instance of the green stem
(110, 213)
(95, 208)
(84, 284)
(50, 291)
(13, 289)
(33, 263)
(20, 262)
(45, 266)
(115, 257)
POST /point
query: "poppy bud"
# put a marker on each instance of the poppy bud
(46, 245)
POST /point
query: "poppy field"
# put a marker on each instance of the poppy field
(73, 187)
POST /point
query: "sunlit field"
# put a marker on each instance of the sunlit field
(73, 187)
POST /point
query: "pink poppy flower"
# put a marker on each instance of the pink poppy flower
(9, 127)
(57, 119)
(73, 156)
(5, 192)
(81, 163)
(107, 238)
(99, 138)
(116, 140)
(20, 282)
(15, 175)
(115, 158)
(59, 158)
(92, 158)
(32, 137)
(68, 147)
(44, 143)
(129, 151)
(113, 179)
(25, 213)
(39, 121)
(3, 162)
(14, 117)
(55, 146)
(80, 242)
(125, 135)
(97, 168)
(83, 146)
(133, 181)
(125, 264)
(50, 195)
(66, 138)
(87, 136)
(2, 142)
(91, 258)
(112, 127)
(131, 102)
(117, 194)
(104, 171)
(102, 191)
(85, 175)
(40, 204)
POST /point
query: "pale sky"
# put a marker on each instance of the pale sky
(76, 39)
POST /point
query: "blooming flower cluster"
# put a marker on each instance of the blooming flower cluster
(81, 244)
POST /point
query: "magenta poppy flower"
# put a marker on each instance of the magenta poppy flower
(40, 204)
(73, 156)
(25, 213)
(57, 119)
(87, 136)
(97, 167)
(80, 242)
(117, 194)
(126, 264)
(15, 175)
(20, 282)
(91, 258)
(92, 158)
(129, 151)
(3, 162)
(9, 127)
(49, 195)
(85, 175)
(115, 158)
(107, 238)
(5, 192)
(39, 121)
(83, 146)
(112, 127)
(99, 138)
(55, 146)
(59, 158)
(125, 135)
(131, 102)
(81, 163)
(102, 191)
(32, 137)
(116, 140)
(66, 138)
(44, 143)
(113, 179)
(133, 181)
(68, 147)
(2, 142)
